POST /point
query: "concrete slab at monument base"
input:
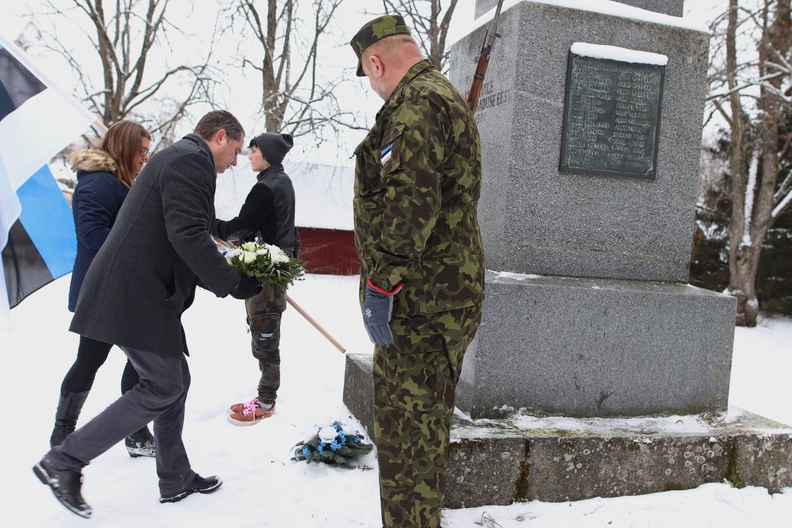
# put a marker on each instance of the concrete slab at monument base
(597, 347)
(524, 458)
(577, 459)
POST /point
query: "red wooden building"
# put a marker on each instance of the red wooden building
(324, 218)
(329, 251)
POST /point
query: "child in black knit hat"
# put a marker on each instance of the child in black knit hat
(273, 147)
(267, 214)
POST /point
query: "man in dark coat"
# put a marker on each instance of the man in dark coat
(134, 294)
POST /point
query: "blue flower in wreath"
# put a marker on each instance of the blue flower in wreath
(306, 452)
(335, 446)
(320, 448)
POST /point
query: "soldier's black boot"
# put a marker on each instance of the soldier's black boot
(69, 407)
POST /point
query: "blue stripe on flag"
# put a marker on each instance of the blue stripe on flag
(48, 220)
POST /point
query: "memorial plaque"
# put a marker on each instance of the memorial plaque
(611, 117)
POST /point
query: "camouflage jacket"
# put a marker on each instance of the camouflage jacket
(417, 185)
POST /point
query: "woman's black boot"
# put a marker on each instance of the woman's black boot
(69, 407)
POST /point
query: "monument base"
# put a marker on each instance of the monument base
(525, 458)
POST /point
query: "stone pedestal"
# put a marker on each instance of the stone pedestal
(635, 339)
(538, 220)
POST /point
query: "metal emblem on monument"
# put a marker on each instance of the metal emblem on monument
(612, 111)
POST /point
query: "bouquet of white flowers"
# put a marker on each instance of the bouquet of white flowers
(265, 262)
(333, 446)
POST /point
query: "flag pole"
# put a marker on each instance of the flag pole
(101, 126)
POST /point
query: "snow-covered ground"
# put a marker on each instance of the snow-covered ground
(262, 486)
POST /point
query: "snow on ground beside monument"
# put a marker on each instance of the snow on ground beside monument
(262, 487)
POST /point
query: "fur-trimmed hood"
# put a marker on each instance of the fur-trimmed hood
(92, 160)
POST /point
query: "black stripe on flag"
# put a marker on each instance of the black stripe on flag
(17, 83)
(25, 270)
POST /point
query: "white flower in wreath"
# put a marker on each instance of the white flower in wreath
(248, 257)
(249, 246)
(327, 433)
(233, 253)
(277, 255)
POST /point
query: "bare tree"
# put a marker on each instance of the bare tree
(130, 75)
(290, 49)
(430, 22)
(753, 93)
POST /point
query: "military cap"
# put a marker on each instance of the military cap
(376, 30)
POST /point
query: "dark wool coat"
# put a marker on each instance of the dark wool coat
(144, 276)
(95, 204)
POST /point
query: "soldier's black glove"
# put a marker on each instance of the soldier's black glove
(377, 308)
(247, 287)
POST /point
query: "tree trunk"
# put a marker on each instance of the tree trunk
(741, 283)
(754, 185)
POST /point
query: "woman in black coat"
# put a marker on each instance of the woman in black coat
(104, 176)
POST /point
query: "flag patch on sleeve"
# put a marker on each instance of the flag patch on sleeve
(385, 154)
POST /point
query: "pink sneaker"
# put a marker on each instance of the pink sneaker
(249, 413)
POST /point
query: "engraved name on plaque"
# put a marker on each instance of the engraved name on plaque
(612, 111)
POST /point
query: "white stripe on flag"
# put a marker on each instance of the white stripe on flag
(35, 132)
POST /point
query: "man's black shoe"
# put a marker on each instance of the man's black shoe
(65, 485)
(198, 485)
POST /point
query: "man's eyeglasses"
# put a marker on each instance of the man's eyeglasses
(144, 151)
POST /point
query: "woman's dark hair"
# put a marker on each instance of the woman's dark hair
(122, 142)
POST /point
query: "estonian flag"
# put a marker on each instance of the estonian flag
(37, 120)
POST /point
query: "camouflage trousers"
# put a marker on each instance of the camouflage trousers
(264, 321)
(414, 384)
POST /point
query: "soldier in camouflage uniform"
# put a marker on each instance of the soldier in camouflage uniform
(417, 184)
